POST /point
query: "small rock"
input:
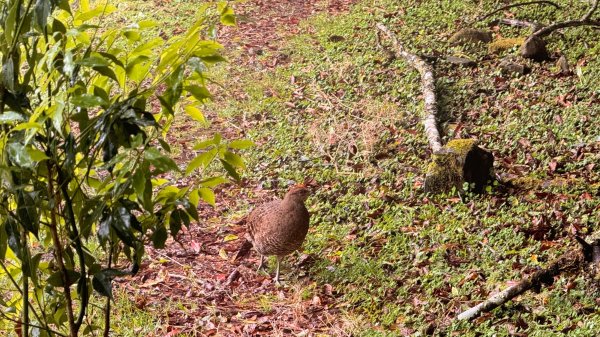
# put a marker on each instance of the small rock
(336, 38)
(563, 65)
(461, 61)
(509, 66)
(470, 35)
(534, 48)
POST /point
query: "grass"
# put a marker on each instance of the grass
(400, 261)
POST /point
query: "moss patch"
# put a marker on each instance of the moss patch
(461, 161)
(504, 44)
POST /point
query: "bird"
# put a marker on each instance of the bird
(278, 227)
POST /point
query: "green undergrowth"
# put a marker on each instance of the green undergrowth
(340, 111)
(347, 116)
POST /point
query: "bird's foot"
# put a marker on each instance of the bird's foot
(261, 264)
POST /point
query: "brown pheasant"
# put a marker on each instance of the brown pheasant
(278, 227)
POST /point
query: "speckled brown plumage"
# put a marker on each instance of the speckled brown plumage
(280, 226)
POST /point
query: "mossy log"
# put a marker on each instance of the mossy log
(460, 161)
(504, 44)
(470, 35)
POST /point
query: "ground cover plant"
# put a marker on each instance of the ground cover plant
(84, 166)
(321, 100)
(403, 261)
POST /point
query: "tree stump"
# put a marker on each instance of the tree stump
(460, 161)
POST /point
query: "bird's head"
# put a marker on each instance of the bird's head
(298, 193)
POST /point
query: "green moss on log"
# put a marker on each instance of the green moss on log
(504, 44)
(460, 161)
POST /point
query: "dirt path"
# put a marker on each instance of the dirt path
(214, 296)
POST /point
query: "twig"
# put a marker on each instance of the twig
(25, 285)
(235, 274)
(169, 258)
(106, 332)
(575, 23)
(519, 23)
(542, 2)
(427, 85)
(44, 328)
(76, 239)
(589, 14)
(58, 250)
(584, 21)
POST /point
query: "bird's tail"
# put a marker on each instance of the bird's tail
(244, 250)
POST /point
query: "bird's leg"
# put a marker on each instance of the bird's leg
(276, 278)
(262, 260)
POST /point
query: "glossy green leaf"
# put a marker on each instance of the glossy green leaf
(56, 278)
(27, 211)
(102, 284)
(132, 35)
(234, 159)
(202, 160)
(199, 93)
(213, 182)
(230, 170)
(159, 237)
(95, 60)
(122, 225)
(241, 144)
(194, 198)
(41, 13)
(178, 217)
(227, 14)
(196, 114)
(207, 195)
(204, 144)
(36, 155)
(98, 11)
(19, 155)
(88, 101)
(14, 236)
(11, 117)
(160, 162)
(11, 21)
(8, 74)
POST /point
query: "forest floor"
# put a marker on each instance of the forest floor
(191, 287)
(308, 84)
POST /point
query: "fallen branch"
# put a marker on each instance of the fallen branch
(569, 261)
(589, 14)
(427, 85)
(535, 47)
(518, 23)
(550, 3)
(545, 31)
(584, 21)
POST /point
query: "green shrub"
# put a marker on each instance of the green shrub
(84, 163)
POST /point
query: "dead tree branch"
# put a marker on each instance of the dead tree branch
(550, 3)
(589, 14)
(559, 25)
(427, 85)
(535, 47)
(584, 21)
(569, 261)
(518, 23)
